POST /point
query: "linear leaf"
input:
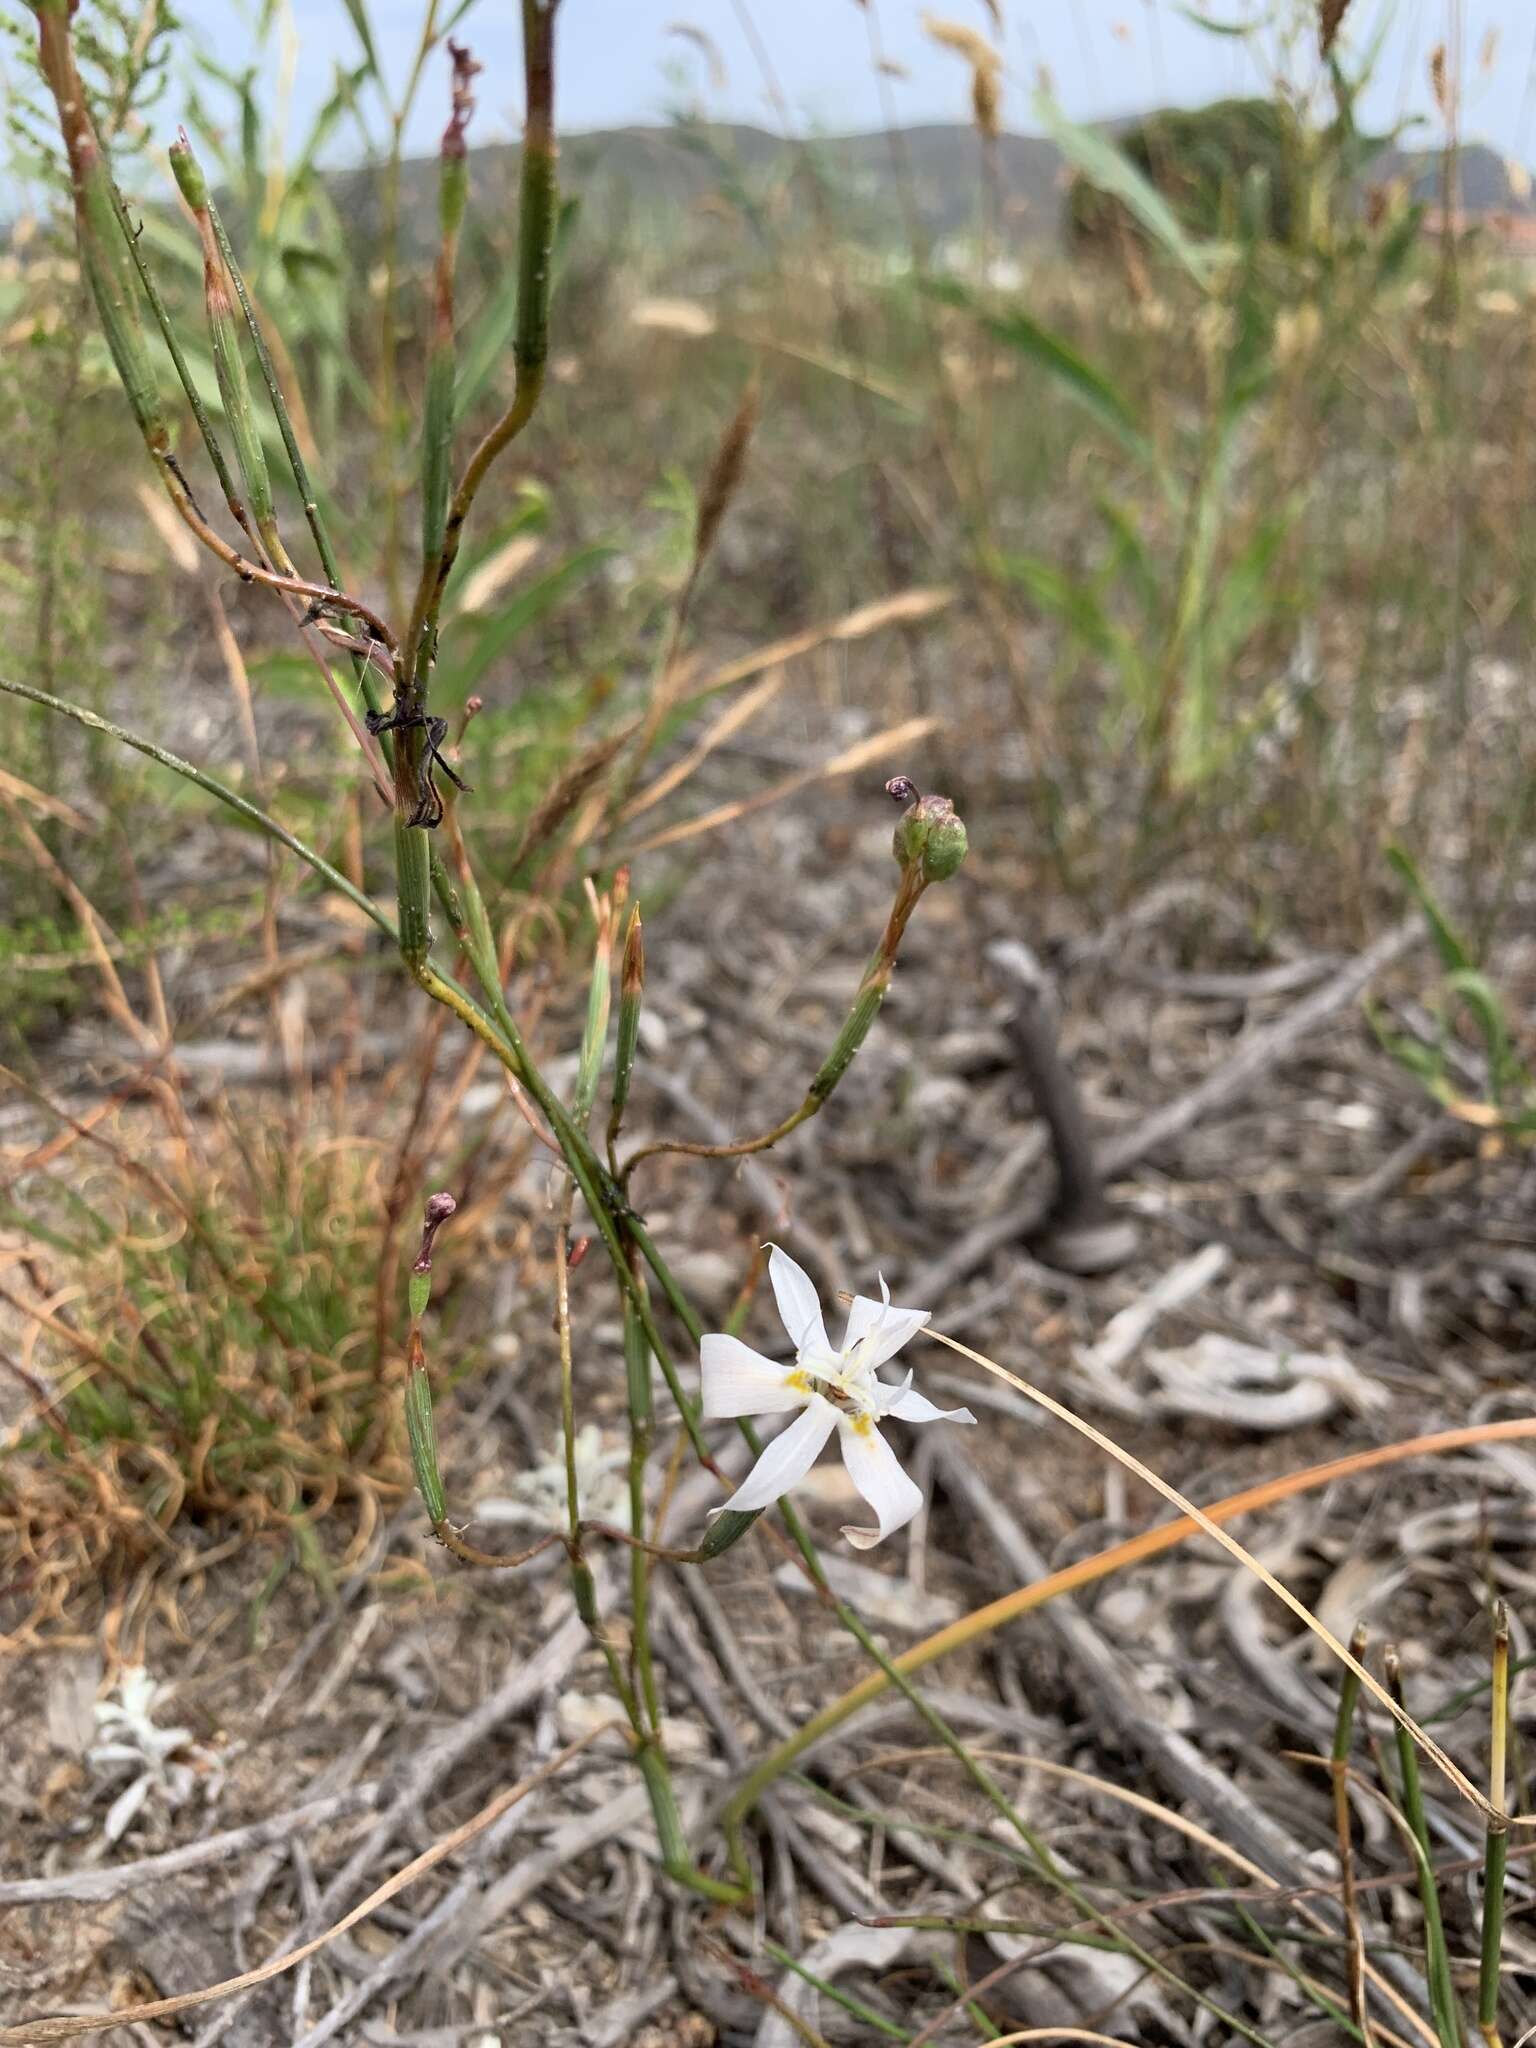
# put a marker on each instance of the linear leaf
(1082, 381)
(1097, 159)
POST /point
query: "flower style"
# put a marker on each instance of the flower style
(833, 1389)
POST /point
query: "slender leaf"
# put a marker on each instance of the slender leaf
(457, 677)
(1091, 387)
(1097, 160)
(1454, 956)
(358, 13)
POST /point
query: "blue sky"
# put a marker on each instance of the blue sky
(623, 61)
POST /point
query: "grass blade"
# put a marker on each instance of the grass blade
(1097, 160)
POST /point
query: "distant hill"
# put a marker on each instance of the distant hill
(641, 177)
(1481, 174)
(645, 175)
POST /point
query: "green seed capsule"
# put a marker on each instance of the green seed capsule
(631, 996)
(104, 254)
(724, 1530)
(422, 1431)
(930, 837)
(452, 193)
(594, 1038)
(189, 174)
(228, 361)
(109, 271)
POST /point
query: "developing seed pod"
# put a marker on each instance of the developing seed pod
(594, 1038)
(631, 996)
(930, 838)
(104, 256)
(228, 361)
(435, 1213)
(422, 1431)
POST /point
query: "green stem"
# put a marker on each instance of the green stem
(1442, 1990)
(537, 206)
(637, 1374)
(873, 985)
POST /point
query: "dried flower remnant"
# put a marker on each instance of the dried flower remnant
(1330, 17)
(465, 72)
(834, 1389)
(438, 1209)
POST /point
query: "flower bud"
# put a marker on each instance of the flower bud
(631, 996)
(727, 1528)
(930, 838)
(228, 360)
(105, 258)
(434, 1215)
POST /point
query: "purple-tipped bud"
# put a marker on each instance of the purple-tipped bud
(930, 838)
(436, 1213)
(901, 789)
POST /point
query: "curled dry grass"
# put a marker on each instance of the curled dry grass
(190, 1350)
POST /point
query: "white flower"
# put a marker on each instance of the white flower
(833, 1389)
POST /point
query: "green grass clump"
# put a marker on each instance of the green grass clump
(199, 1350)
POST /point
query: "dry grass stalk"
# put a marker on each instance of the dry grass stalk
(883, 744)
(723, 479)
(906, 608)
(557, 804)
(708, 48)
(730, 722)
(96, 932)
(986, 68)
(1439, 80)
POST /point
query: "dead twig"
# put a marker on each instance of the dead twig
(72, 2028)
(84, 1887)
